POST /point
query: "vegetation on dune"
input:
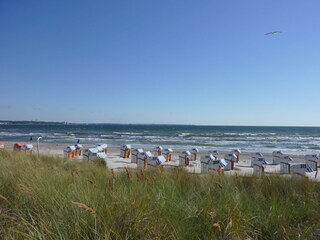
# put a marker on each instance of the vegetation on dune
(50, 198)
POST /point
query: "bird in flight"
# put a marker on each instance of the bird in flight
(273, 33)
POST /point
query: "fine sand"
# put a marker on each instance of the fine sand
(115, 162)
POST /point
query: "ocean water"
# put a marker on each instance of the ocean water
(265, 139)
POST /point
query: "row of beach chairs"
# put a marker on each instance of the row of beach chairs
(287, 164)
(98, 152)
(20, 147)
(208, 162)
(23, 148)
(211, 161)
(143, 159)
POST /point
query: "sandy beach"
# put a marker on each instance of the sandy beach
(114, 161)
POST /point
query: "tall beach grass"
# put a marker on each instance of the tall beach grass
(51, 198)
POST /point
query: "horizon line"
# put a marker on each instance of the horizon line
(169, 124)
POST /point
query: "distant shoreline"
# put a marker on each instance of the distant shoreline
(5, 122)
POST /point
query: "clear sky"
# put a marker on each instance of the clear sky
(183, 62)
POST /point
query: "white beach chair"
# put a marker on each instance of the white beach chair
(194, 154)
(258, 163)
(313, 161)
(300, 169)
(125, 151)
(214, 153)
(69, 152)
(237, 152)
(184, 158)
(286, 163)
(91, 153)
(134, 154)
(218, 165)
(258, 159)
(276, 157)
(209, 162)
(100, 149)
(143, 159)
(230, 158)
(156, 161)
(168, 154)
(205, 161)
(94, 154)
(158, 150)
(104, 147)
(78, 150)
(27, 149)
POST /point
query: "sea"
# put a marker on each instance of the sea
(246, 138)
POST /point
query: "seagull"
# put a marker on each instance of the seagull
(273, 33)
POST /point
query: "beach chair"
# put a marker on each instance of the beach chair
(104, 148)
(209, 162)
(300, 169)
(78, 151)
(125, 151)
(230, 158)
(100, 149)
(27, 149)
(295, 168)
(237, 152)
(258, 161)
(94, 154)
(143, 159)
(285, 164)
(17, 147)
(134, 154)
(218, 165)
(194, 154)
(91, 153)
(276, 157)
(204, 163)
(184, 158)
(168, 154)
(313, 161)
(158, 150)
(214, 153)
(156, 161)
(258, 169)
(69, 152)
(257, 158)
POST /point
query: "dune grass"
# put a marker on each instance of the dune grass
(50, 198)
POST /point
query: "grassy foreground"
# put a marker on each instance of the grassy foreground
(49, 198)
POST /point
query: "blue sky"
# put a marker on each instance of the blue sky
(183, 62)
